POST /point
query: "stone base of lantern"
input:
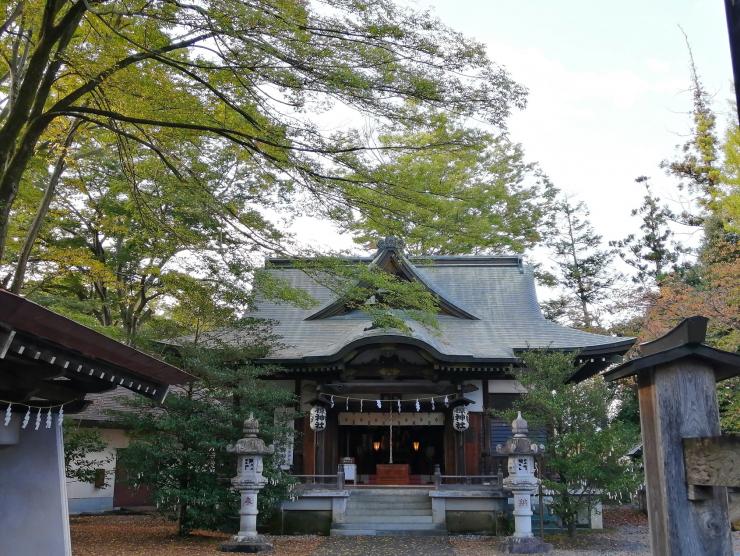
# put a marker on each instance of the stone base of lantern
(525, 545)
(249, 545)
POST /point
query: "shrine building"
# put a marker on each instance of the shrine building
(390, 398)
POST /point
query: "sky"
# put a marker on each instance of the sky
(608, 91)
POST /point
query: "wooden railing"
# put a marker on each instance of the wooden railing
(468, 481)
(321, 481)
(439, 481)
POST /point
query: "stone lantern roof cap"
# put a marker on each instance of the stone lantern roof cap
(251, 444)
(519, 426)
(251, 425)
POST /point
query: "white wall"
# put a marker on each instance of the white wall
(476, 396)
(84, 497)
(33, 498)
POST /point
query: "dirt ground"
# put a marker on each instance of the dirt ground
(625, 533)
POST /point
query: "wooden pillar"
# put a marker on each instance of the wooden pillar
(473, 441)
(677, 394)
(450, 459)
(679, 401)
(309, 448)
(487, 449)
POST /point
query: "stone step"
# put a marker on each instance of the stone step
(390, 500)
(388, 533)
(401, 505)
(389, 511)
(387, 525)
(386, 529)
(394, 492)
(383, 519)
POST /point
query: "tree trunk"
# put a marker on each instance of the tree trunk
(25, 123)
(571, 527)
(33, 232)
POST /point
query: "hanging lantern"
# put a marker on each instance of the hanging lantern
(318, 418)
(415, 445)
(460, 419)
(376, 445)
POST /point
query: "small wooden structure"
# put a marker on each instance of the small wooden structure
(392, 474)
(48, 364)
(688, 465)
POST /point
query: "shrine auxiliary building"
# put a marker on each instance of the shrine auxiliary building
(390, 396)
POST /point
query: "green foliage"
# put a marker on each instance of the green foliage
(582, 268)
(79, 446)
(116, 247)
(727, 204)
(728, 399)
(467, 193)
(387, 298)
(654, 253)
(709, 170)
(584, 459)
(167, 75)
(698, 168)
(179, 451)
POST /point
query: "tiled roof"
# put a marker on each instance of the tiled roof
(102, 404)
(498, 291)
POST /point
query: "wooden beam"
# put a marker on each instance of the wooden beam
(29, 387)
(692, 330)
(712, 461)
(6, 339)
(49, 362)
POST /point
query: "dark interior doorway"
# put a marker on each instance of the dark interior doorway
(419, 447)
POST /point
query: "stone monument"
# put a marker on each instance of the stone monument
(522, 483)
(248, 481)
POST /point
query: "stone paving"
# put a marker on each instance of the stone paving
(143, 535)
(385, 546)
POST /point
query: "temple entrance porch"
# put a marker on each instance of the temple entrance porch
(418, 448)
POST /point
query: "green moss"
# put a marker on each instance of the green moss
(314, 522)
(483, 523)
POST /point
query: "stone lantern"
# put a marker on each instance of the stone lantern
(522, 483)
(248, 481)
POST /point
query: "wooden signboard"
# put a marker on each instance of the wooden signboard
(712, 461)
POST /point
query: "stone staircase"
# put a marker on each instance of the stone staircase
(390, 511)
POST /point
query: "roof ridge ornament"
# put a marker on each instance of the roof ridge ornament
(391, 243)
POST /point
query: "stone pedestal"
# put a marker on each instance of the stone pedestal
(252, 545)
(522, 483)
(248, 481)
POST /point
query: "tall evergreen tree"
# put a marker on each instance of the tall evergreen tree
(179, 451)
(710, 287)
(654, 253)
(581, 266)
(698, 168)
